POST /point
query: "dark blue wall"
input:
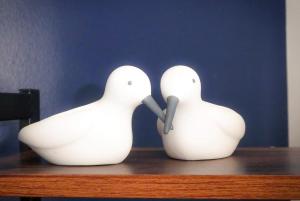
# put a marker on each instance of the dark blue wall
(68, 48)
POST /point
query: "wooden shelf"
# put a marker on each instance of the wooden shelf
(251, 173)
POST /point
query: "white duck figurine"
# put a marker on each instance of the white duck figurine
(201, 130)
(98, 133)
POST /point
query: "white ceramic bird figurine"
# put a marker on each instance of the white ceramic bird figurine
(98, 133)
(201, 130)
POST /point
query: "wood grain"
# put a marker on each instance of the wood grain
(252, 173)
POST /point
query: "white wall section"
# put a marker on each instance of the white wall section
(293, 69)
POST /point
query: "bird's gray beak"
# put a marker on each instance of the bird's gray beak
(172, 102)
(154, 107)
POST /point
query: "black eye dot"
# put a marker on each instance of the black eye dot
(194, 81)
(129, 82)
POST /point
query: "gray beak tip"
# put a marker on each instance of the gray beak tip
(154, 107)
(172, 102)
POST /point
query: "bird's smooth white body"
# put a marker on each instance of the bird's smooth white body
(99, 133)
(201, 130)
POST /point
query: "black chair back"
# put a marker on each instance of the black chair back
(23, 106)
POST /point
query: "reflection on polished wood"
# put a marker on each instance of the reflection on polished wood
(251, 173)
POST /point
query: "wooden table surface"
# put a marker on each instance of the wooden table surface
(250, 173)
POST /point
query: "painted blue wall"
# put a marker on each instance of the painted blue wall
(68, 48)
